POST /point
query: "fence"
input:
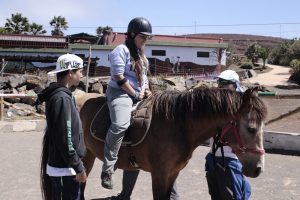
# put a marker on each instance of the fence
(209, 76)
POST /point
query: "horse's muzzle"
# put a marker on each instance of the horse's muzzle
(253, 173)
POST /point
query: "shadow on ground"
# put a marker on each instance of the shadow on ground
(287, 87)
(283, 152)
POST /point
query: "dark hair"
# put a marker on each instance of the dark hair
(134, 52)
(136, 26)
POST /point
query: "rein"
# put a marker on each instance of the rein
(242, 148)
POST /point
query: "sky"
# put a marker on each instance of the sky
(278, 18)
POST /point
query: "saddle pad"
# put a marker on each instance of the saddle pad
(137, 131)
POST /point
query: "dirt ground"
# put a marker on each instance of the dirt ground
(20, 158)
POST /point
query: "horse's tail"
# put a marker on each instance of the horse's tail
(45, 179)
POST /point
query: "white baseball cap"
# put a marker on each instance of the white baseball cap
(230, 75)
(67, 62)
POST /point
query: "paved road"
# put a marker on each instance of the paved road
(20, 155)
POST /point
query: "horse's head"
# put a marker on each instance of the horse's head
(245, 134)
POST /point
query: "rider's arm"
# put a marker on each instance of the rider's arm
(127, 87)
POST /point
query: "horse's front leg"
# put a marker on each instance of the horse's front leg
(88, 162)
(162, 184)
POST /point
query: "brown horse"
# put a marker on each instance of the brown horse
(180, 122)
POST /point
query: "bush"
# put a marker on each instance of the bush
(295, 77)
(295, 64)
(284, 61)
(247, 65)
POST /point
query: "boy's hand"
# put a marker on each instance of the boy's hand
(81, 177)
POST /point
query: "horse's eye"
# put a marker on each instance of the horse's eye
(252, 129)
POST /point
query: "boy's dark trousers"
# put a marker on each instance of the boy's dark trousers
(65, 188)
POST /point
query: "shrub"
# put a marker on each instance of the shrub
(295, 77)
(295, 64)
(247, 65)
(284, 60)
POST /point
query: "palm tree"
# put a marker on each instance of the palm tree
(17, 24)
(103, 34)
(59, 23)
(2, 30)
(36, 29)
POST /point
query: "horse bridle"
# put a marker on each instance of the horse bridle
(242, 148)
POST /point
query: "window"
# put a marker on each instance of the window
(202, 54)
(158, 52)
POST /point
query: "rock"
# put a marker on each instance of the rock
(20, 109)
(190, 82)
(16, 80)
(3, 82)
(208, 84)
(22, 89)
(97, 88)
(29, 101)
(25, 106)
(178, 82)
(12, 100)
(33, 82)
(251, 73)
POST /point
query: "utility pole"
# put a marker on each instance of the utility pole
(280, 30)
(88, 70)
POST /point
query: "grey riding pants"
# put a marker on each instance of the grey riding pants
(120, 107)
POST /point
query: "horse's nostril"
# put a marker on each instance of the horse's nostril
(252, 129)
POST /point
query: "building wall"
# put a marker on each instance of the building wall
(100, 53)
(186, 54)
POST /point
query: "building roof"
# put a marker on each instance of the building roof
(82, 38)
(119, 38)
(35, 50)
(32, 38)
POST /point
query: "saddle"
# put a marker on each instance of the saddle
(137, 131)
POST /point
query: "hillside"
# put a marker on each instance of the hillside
(238, 43)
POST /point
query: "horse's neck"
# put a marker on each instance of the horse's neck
(201, 130)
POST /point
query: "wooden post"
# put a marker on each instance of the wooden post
(1, 108)
(3, 63)
(88, 70)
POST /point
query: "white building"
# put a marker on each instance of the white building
(167, 54)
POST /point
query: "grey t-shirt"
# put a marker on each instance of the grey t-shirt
(121, 65)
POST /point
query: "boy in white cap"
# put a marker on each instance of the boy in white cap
(223, 169)
(62, 170)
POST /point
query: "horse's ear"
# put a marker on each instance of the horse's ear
(252, 91)
(249, 93)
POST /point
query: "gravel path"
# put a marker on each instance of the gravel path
(279, 75)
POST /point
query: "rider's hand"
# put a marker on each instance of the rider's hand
(141, 95)
(81, 177)
(147, 93)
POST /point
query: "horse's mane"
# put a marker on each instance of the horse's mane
(203, 102)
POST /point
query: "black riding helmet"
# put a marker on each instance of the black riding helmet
(140, 25)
